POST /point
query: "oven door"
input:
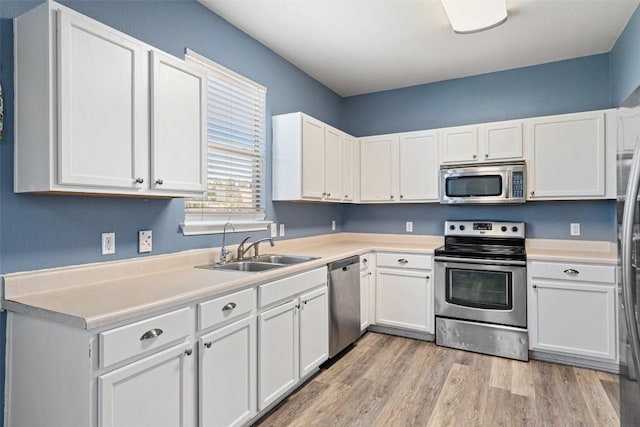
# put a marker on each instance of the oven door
(481, 291)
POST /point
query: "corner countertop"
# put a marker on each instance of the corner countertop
(96, 295)
(140, 286)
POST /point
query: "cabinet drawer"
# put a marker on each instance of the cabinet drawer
(289, 286)
(225, 308)
(573, 271)
(140, 337)
(413, 261)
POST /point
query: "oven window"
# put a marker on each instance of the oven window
(480, 288)
(473, 186)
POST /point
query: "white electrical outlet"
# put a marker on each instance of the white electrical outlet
(333, 225)
(145, 241)
(409, 227)
(108, 243)
(274, 229)
(281, 230)
(575, 229)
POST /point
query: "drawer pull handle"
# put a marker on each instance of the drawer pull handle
(534, 286)
(151, 333)
(229, 306)
(571, 272)
(208, 344)
(403, 261)
(188, 352)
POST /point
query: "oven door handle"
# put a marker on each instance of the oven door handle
(481, 261)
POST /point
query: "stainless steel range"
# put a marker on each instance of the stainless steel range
(481, 288)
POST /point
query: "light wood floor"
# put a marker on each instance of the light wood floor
(393, 381)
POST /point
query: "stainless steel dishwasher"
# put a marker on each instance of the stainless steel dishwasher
(344, 303)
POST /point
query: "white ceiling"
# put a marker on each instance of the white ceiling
(363, 46)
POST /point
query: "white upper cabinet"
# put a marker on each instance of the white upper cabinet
(399, 167)
(178, 133)
(418, 166)
(87, 97)
(377, 167)
(501, 141)
(566, 156)
(488, 142)
(460, 144)
(311, 160)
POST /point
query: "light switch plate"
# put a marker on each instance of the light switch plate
(145, 241)
(274, 229)
(409, 227)
(333, 225)
(281, 230)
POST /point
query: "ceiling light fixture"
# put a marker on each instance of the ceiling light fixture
(471, 16)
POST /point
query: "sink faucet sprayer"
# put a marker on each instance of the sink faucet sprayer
(223, 251)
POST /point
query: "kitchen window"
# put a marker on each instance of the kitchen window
(236, 154)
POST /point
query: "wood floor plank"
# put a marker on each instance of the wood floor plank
(522, 379)
(595, 396)
(392, 381)
(500, 374)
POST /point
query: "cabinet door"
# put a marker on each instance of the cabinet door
(314, 334)
(102, 106)
(277, 352)
(376, 157)
(460, 144)
(313, 160)
(404, 299)
(419, 166)
(573, 318)
(333, 164)
(155, 391)
(365, 280)
(501, 141)
(178, 126)
(228, 377)
(348, 170)
(567, 156)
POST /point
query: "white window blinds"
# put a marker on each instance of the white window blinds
(235, 134)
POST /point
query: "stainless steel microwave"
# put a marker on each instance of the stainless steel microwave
(487, 183)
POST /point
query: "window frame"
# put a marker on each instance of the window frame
(212, 223)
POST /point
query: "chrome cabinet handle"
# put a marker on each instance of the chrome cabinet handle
(486, 155)
(151, 333)
(324, 194)
(159, 181)
(346, 196)
(474, 156)
(188, 352)
(328, 194)
(402, 196)
(369, 273)
(229, 306)
(534, 286)
(427, 277)
(392, 196)
(571, 272)
(403, 261)
(532, 193)
(139, 180)
(208, 344)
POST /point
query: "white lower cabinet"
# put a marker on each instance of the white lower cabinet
(404, 293)
(277, 359)
(314, 330)
(573, 310)
(153, 391)
(228, 377)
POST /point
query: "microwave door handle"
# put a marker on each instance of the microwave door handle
(507, 185)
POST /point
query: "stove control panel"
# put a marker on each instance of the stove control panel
(484, 228)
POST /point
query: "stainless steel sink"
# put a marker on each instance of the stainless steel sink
(246, 266)
(283, 259)
(261, 263)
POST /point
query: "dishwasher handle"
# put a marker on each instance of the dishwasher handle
(345, 264)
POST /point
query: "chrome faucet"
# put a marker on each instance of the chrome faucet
(223, 251)
(255, 245)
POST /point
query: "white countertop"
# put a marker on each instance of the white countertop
(94, 295)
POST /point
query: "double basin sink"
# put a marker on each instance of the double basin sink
(260, 263)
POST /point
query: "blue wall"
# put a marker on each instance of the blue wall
(559, 87)
(625, 61)
(38, 231)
